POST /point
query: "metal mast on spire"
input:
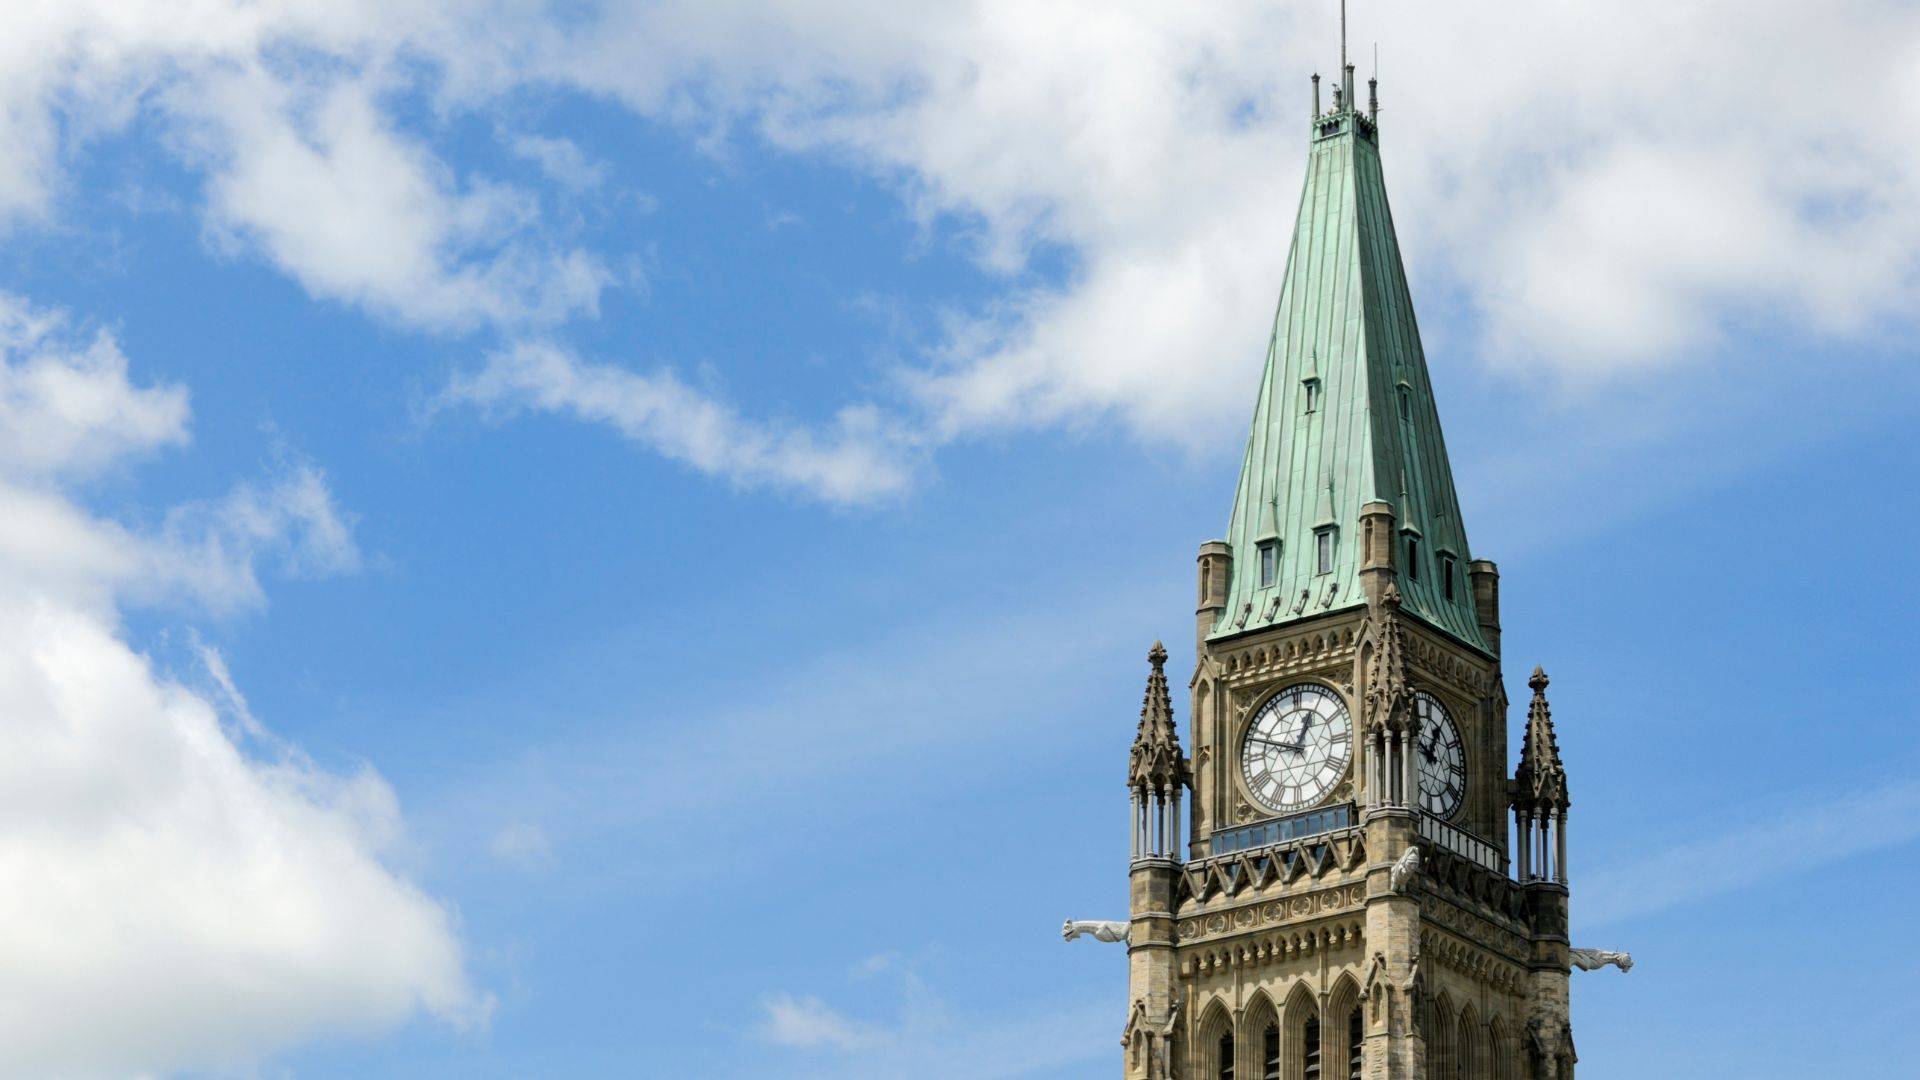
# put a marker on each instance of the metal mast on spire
(1343, 35)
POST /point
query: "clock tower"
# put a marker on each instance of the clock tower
(1349, 902)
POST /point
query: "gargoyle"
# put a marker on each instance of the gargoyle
(1095, 929)
(1595, 959)
(1404, 871)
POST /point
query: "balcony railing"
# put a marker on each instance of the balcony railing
(1279, 830)
(1328, 819)
(1460, 842)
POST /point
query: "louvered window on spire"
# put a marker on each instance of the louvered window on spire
(1269, 562)
(1270, 1052)
(1310, 1049)
(1323, 551)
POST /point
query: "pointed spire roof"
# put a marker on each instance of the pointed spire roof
(1157, 760)
(1540, 782)
(1345, 318)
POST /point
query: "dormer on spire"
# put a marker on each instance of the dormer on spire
(1539, 793)
(1156, 769)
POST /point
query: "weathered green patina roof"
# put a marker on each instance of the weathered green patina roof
(1345, 325)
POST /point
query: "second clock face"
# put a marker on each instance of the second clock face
(1443, 764)
(1297, 747)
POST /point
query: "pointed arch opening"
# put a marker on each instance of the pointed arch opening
(1216, 1049)
(1442, 1060)
(1301, 1035)
(1345, 1036)
(1500, 1063)
(1260, 1039)
(1469, 1047)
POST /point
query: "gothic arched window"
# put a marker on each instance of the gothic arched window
(1270, 1053)
(1225, 1051)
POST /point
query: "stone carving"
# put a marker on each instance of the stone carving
(1096, 929)
(1595, 959)
(1404, 871)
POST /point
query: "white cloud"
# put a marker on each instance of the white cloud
(1607, 193)
(561, 160)
(66, 406)
(207, 887)
(289, 111)
(338, 199)
(523, 844)
(1765, 846)
(807, 1022)
(858, 460)
(927, 1037)
(1606, 197)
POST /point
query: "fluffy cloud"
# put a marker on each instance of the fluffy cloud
(859, 459)
(215, 893)
(1601, 196)
(925, 1037)
(805, 1022)
(1607, 194)
(286, 110)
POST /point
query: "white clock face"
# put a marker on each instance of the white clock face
(1443, 764)
(1296, 748)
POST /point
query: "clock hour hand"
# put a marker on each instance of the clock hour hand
(1304, 725)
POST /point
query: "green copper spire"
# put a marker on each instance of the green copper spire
(1345, 415)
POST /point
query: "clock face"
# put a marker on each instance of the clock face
(1296, 748)
(1443, 764)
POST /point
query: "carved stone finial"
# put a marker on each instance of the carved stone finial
(1540, 780)
(1157, 762)
(1387, 697)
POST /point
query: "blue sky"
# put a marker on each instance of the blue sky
(579, 540)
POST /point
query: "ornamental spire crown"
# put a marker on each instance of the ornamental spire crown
(1157, 762)
(1540, 782)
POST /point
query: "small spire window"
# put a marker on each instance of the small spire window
(1448, 572)
(1323, 551)
(1413, 558)
(1269, 562)
(1406, 402)
(1310, 392)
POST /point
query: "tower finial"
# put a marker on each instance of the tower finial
(1343, 35)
